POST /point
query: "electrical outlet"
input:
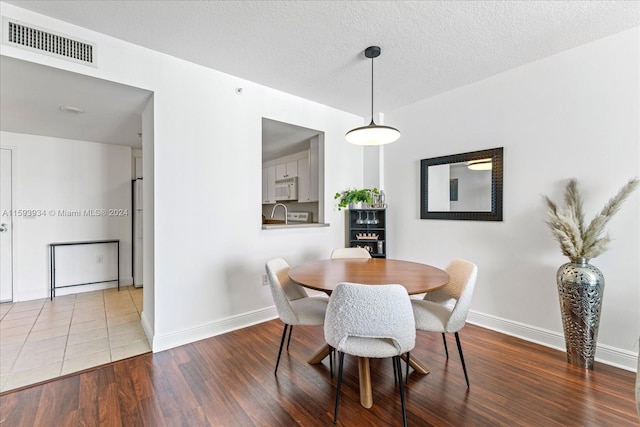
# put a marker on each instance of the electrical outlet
(99, 259)
(265, 280)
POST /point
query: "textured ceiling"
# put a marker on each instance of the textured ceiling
(313, 49)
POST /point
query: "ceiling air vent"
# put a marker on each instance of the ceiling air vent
(47, 42)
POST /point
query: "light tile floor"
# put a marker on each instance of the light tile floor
(44, 339)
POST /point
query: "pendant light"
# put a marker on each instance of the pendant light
(372, 134)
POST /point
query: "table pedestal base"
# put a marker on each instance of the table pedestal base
(364, 372)
(366, 394)
(417, 365)
(319, 355)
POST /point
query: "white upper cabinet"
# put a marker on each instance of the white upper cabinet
(308, 176)
(269, 185)
(303, 165)
(287, 170)
(303, 180)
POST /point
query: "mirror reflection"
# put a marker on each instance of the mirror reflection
(459, 187)
(465, 186)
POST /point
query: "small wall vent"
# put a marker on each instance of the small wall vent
(36, 39)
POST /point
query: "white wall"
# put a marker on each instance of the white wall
(148, 224)
(439, 195)
(69, 183)
(572, 115)
(204, 247)
(207, 243)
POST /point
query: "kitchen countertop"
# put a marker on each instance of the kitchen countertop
(294, 225)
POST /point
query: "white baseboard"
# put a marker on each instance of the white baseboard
(211, 329)
(608, 355)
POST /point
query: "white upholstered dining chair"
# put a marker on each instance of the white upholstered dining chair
(294, 305)
(445, 310)
(350, 253)
(353, 327)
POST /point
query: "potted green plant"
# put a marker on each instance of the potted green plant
(581, 284)
(353, 196)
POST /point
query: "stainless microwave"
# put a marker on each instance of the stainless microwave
(287, 189)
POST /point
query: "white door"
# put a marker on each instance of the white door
(6, 228)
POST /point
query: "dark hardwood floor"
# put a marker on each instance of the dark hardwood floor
(228, 381)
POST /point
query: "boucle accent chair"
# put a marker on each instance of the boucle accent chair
(293, 304)
(435, 314)
(350, 253)
(374, 321)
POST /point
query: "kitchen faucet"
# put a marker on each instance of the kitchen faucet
(286, 219)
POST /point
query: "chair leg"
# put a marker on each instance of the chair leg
(284, 334)
(289, 340)
(407, 376)
(444, 340)
(331, 361)
(464, 367)
(402, 402)
(340, 363)
(395, 373)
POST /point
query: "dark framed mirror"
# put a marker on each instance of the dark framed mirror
(466, 186)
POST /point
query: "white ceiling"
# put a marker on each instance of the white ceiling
(314, 49)
(31, 96)
(281, 139)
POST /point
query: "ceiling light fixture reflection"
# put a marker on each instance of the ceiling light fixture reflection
(480, 165)
(372, 134)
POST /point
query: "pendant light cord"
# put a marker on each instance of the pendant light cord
(372, 122)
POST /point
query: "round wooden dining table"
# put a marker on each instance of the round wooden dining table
(324, 275)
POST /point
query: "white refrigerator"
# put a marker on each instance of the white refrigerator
(137, 231)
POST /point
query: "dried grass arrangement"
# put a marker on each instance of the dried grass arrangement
(568, 225)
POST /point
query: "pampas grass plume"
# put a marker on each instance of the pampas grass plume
(567, 223)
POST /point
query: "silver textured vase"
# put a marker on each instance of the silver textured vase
(580, 288)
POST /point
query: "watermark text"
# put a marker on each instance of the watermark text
(35, 213)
